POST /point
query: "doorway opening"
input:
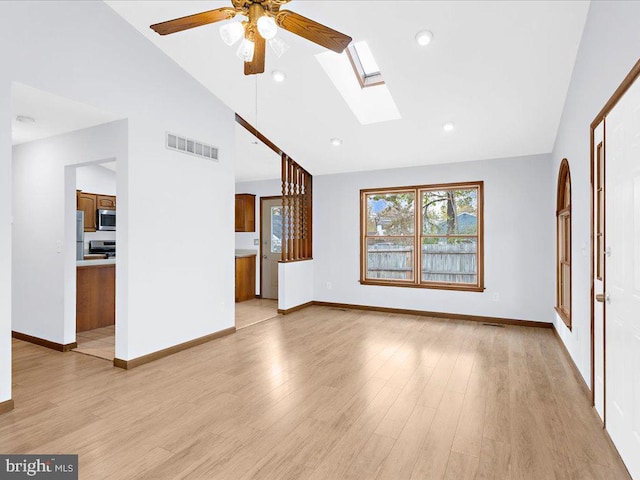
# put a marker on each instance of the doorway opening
(258, 181)
(96, 201)
(265, 305)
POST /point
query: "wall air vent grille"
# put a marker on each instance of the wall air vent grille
(192, 147)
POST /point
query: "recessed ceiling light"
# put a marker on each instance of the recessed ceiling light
(279, 76)
(424, 38)
(25, 119)
(448, 127)
(336, 142)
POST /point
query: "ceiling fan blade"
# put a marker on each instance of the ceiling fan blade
(192, 21)
(257, 64)
(313, 31)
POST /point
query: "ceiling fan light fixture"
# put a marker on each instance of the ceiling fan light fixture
(246, 50)
(231, 32)
(424, 38)
(267, 27)
(336, 142)
(258, 29)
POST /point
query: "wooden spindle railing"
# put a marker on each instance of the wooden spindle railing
(297, 211)
(297, 202)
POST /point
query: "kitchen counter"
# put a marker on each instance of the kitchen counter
(95, 263)
(241, 253)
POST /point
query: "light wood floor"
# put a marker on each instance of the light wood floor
(255, 311)
(319, 394)
(100, 342)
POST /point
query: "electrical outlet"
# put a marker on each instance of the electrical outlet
(58, 246)
(496, 297)
(329, 286)
(256, 241)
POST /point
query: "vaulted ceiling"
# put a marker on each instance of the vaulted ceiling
(499, 70)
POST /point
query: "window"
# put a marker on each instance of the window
(364, 64)
(437, 245)
(276, 229)
(563, 256)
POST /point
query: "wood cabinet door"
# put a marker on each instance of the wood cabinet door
(239, 213)
(245, 212)
(106, 202)
(88, 203)
(245, 278)
(95, 297)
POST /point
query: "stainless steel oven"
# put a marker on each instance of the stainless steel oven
(106, 219)
(104, 247)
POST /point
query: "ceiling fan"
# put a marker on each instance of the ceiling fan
(264, 16)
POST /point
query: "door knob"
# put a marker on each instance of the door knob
(264, 256)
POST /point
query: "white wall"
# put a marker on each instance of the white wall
(519, 239)
(168, 291)
(101, 180)
(245, 240)
(96, 179)
(609, 48)
(43, 276)
(295, 284)
(5, 239)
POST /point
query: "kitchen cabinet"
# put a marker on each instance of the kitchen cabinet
(95, 297)
(245, 278)
(106, 202)
(245, 212)
(88, 203)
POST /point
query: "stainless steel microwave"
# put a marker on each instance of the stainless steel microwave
(106, 219)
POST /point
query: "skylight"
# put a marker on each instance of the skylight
(368, 62)
(364, 64)
(369, 105)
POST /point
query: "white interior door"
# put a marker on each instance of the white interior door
(598, 270)
(623, 277)
(271, 237)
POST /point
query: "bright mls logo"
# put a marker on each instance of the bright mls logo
(50, 467)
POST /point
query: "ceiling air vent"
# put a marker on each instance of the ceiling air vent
(192, 147)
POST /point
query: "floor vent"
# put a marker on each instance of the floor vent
(191, 147)
(499, 325)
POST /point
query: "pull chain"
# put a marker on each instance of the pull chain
(255, 142)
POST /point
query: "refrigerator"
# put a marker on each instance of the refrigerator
(79, 235)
